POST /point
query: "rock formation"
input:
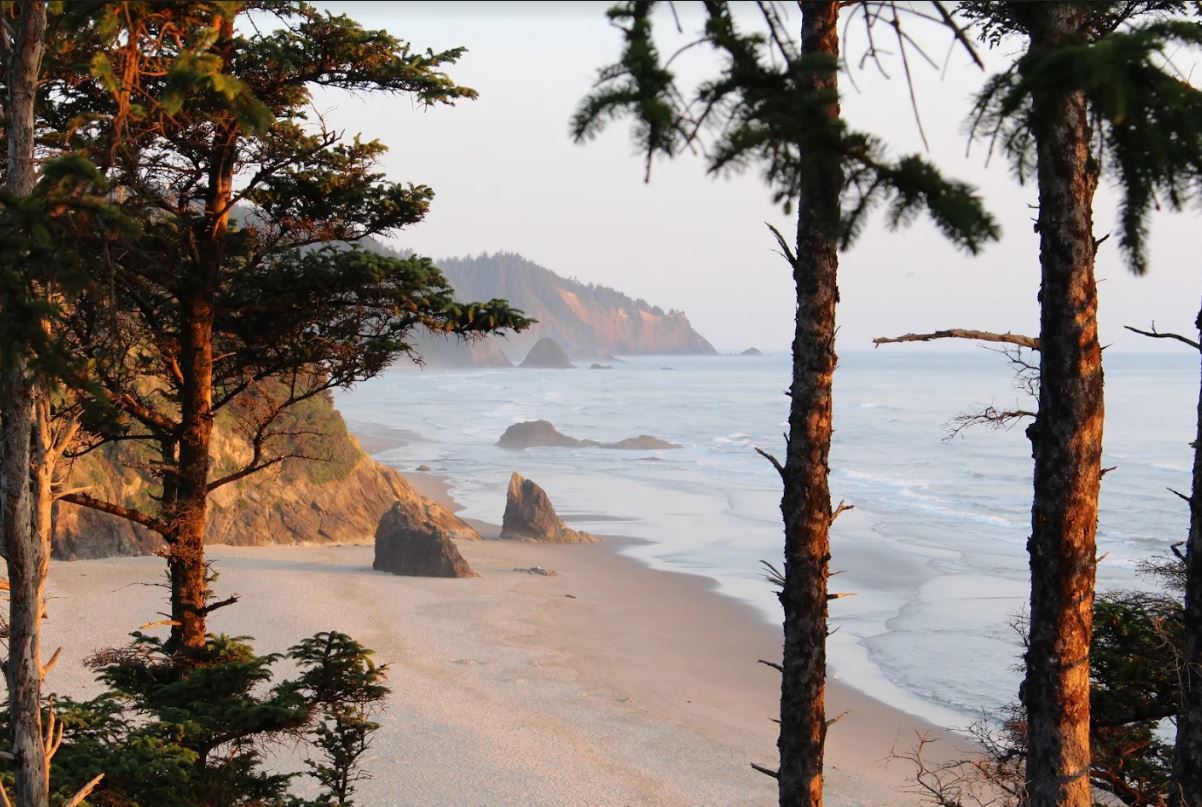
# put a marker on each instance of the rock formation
(589, 320)
(536, 433)
(547, 355)
(413, 541)
(595, 366)
(644, 442)
(340, 500)
(529, 516)
(751, 351)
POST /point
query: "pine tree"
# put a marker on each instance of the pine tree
(1092, 89)
(776, 105)
(235, 297)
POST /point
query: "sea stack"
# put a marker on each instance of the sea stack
(752, 351)
(409, 542)
(547, 355)
(529, 516)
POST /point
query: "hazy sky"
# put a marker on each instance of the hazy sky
(507, 177)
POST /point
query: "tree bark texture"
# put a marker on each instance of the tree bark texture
(25, 474)
(1066, 440)
(806, 503)
(1187, 762)
(190, 489)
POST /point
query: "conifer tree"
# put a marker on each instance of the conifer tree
(233, 297)
(775, 104)
(1094, 88)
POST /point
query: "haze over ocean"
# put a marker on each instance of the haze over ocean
(934, 550)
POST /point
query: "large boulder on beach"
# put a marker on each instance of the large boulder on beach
(529, 516)
(547, 355)
(412, 541)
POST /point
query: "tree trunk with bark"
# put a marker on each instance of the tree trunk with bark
(1066, 440)
(190, 488)
(806, 503)
(25, 474)
(1187, 762)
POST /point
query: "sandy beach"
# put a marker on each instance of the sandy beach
(605, 684)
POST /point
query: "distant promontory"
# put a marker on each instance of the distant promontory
(590, 322)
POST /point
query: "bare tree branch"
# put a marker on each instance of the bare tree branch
(1030, 342)
(1155, 334)
(136, 516)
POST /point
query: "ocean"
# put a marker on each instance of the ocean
(934, 550)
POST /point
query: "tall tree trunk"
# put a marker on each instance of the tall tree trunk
(24, 500)
(1066, 440)
(1187, 763)
(806, 502)
(186, 555)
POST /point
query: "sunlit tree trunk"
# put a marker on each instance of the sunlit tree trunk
(806, 503)
(1066, 440)
(190, 488)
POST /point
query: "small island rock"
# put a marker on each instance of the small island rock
(410, 540)
(547, 355)
(644, 442)
(529, 433)
(751, 351)
(536, 433)
(529, 516)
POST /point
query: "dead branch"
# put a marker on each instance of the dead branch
(775, 462)
(1155, 334)
(771, 664)
(1030, 342)
(50, 664)
(213, 606)
(766, 771)
(841, 509)
(994, 418)
(84, 792)
(87, 500)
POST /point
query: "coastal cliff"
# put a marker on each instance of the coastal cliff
(338, 499)
(589, 321)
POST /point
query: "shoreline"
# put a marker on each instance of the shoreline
(856, 752)
(609, 683)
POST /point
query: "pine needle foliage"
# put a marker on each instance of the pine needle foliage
(171, 734)
(758, 112)
(1146, 116)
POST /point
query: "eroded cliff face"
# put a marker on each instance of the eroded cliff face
(339, 500)
(587, 320)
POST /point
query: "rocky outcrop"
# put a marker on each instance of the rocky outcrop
(644, 442)
(547, 355)
(590, 321)
(531, 433)
(595, 366)
(339, 500)
(414, 539)
(529, 516)
(538, 433)
(751, 351)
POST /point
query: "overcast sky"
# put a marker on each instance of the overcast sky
(507, 177)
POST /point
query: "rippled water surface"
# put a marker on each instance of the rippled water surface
(934, 550)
